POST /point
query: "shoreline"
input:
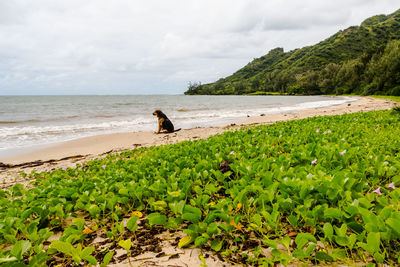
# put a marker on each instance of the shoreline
(69, 153)
(32, 131)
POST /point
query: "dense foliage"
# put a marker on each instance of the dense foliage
(316, 190)
(362, 59)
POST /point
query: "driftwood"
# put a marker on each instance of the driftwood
(5, 166)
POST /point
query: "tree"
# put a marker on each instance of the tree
(194, 88)
(383, 71)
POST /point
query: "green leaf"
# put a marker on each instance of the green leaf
(352, 241)
(333, 213)
(285, 242)
(298, 253)
(379, 257)
(293, 220)
(200, 241)
(159, 205)
(270, 243)
(124, 191)
(107, 258)
(191, 214)
(157, 219)
(85, 255)
(342, 240)
(339, 254)
(322, 256)
(212, 229)
(216, 244)
(185, 241)
(8, 259)
(191, 217)
(373, 242)
(174, 194)
(310, 249)
(94, 210)
(125, 244)
(10, 238)
(63, 247)
(79, 222)
(20, 248)
(342, 231)
(132, 223)
(87, 251)
(177, 207)
(39, 259)
(328, 230)
(303, 238)
(92, 260)
(394, 225)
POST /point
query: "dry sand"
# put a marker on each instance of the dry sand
(68, 154)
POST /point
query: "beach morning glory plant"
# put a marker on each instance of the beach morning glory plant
(378, 191)
(391, 185)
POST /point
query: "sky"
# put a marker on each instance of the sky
(76, 47)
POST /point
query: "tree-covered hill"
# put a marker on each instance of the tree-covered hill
(361, 59)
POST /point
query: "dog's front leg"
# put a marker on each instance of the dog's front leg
(160, 121)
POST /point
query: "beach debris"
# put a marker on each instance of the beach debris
(224, 166)
(5, 166)
(38, 162)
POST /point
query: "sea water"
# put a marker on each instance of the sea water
(27, 121)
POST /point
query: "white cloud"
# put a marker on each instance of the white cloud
(123, 46)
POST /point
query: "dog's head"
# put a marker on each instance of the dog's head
(158, 113)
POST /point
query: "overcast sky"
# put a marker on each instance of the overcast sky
(155, 47)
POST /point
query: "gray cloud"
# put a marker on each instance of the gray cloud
(122, 46)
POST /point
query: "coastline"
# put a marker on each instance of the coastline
(69, 153)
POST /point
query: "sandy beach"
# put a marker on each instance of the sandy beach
(68, 154)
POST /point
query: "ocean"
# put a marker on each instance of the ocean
(31, 121)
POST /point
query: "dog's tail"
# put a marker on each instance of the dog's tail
(177, 129)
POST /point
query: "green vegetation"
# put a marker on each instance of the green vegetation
(266, 93)
(362, 60)
(394, 98)
(317, 190)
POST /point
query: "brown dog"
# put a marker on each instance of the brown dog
(164, 124)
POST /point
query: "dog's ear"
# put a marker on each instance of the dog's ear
(158, 112)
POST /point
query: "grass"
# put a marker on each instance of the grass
(312, 191)
(394, 98)
(267, 93)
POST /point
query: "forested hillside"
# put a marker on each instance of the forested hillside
(362, 59)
